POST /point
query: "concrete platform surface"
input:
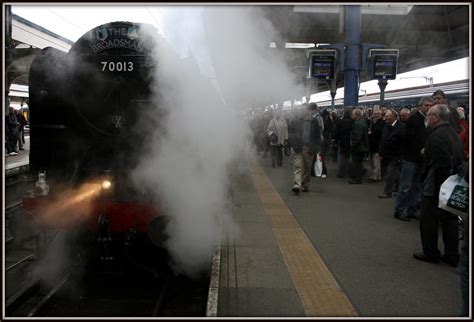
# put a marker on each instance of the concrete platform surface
(336, 251)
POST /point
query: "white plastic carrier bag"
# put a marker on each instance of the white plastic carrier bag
(454, 195)
(318, 166)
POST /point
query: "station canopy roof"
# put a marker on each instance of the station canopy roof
(425, 35)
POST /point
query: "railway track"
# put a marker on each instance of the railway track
(83, 293)
(21, 261)
(17, 184)
(107, 295)
(111, 296)
(9, 211)
(32, 297)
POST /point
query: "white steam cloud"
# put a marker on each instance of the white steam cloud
(226, 67)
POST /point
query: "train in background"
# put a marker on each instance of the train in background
(457, 91)
(89, 125)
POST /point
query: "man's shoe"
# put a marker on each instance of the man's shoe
(426, 258)
(451, 262)
(21, 149)
(352, 181)
(401, 217)
(305, 189)
(323, 176)
(296, 190)
(13, 153)
(385, 196)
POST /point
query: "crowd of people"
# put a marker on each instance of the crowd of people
(15, 123)
(412, 150)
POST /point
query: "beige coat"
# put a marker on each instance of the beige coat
(280, 128)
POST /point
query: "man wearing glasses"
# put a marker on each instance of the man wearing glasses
(410, 185)
(443, 155)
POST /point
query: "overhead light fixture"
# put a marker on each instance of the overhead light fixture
(18, 94)
(273, 45)
(374, 9)
(17, 87)
(23, 46)
(299, 45)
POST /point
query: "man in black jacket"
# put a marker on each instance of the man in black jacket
(328, 128)
(359, 145)
(376, 127)
(443, 156)
(410, 185)
(11, 124)
(342, 137)
(391, 151)
(21, 129)
(304, 138)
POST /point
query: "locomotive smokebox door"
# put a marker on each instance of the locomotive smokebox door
(110, 78)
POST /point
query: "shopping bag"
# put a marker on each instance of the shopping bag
(454, 195)
(318, 166)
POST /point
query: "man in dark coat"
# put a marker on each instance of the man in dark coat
(376, 127)
(304, 138)
(327, 139)
(410, 184)
(359, 145)
(443, 156)
(11, 124)
(21, 129)
(391, 151)
(342, 137)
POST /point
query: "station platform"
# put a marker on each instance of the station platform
(335, 251)
(15, 163)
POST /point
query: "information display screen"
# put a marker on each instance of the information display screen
(385, 66)
(322, 66)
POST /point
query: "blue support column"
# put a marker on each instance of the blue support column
(352, 42)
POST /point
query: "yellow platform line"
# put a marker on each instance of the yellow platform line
(316, 287)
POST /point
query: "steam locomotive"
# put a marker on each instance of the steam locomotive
(89, 124)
